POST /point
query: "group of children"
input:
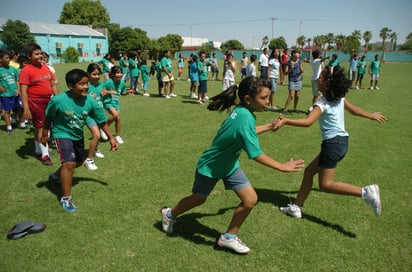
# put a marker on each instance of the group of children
(63, 116)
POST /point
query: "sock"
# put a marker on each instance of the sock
(9, 128)
(44, 150)
(169, 214)
(66, 197)
(229, 236)
(37, 147)
(363, 192)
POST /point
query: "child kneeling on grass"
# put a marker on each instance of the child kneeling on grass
(221, 161)
(68, 112)
(329, 109)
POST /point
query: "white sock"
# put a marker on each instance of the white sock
(44, 150)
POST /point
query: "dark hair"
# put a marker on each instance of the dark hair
(4, 53)
(337, 84)
(272, 54)
(22, 60)
(316, 54)
(253, 58)
(74, 76)
(30, 48)
(250, 86)
(115, 69)
(143, 61)
(93, 66)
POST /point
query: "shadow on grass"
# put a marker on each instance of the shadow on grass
(189, 227)
(281, 198)
(55, 187)
(27, 149)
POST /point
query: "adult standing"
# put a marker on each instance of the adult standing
(263, 63)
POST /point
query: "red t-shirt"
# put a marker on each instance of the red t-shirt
(284, 58)
(38, 80)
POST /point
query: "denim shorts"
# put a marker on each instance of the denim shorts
(295, 85)
(203, 185)
(332, 151)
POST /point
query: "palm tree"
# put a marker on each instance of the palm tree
(340, 41)
(367, 36)
(330, 38)
(265, 42)
(393, 37)
(300, 41)
(384, 34)
(309, 40)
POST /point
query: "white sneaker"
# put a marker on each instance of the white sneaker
(167, 223)
(206, 98)
(292, 210)
(357, 87)
(371, 88)
(193, 96)
(377, 88)
(167, 97)
(89, 164)
(173, 95)
(98, 154)
(146, 94)
(119, 140)
(103, 135)
(234, 244)
(371, 196)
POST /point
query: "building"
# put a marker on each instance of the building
(193, 43)
(56, 38)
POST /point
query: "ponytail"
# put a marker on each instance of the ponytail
(224, 100)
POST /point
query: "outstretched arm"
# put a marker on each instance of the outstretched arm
(304, 122)
(362, 113)
(290, 166)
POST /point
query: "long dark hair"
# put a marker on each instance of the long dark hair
(337, 84)
(249, 86)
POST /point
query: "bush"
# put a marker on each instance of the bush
(71, 55)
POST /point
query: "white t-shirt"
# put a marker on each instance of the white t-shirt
(263, 60)
(274, 65)
(250, 70)
(317, 66)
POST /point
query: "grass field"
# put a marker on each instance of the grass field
(118, 228)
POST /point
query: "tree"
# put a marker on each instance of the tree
(16, 34)
(367, 37)
(85, 12)
(393, 37)
(232, 45)
(300, 41)
(172, 42)
(351, 43)
(127, 39)
(330, 38)
(71, 55)
(279, 43)
(340, 41)
(207, 47)
(384, 33)
(408, 44)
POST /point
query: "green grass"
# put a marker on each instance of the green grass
(117, 226)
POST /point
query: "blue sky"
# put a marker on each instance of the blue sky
(245, 20)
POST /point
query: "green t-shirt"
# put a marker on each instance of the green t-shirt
(166, 62)
(361, 66)
(237, 133)
(203, 73)
(95, 90)
(145, 72)
(8, 79)
(69, 115)
(105, 62)
(123, 66)
(375, 65)
(113, 100)
(133, 68)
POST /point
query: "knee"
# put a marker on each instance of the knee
(250, 202)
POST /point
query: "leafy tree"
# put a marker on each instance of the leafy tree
(384, 34)
(127, 39)
(85, 12)
(16, 34)
(393, 37)
(71, 55)
(207, 47)
(278, 43)
(300, 41)
(231, 45)
(351, 43)
(172, 42)
(408, 44)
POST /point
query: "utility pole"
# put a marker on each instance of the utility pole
(273, 24)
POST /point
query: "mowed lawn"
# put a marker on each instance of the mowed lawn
(118, 228)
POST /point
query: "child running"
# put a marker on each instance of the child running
(329, 109)
(221, 160)
(68, 112)
(95, 91)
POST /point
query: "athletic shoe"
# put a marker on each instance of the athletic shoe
(119, 140)
(173, 95)
(146, 94)
(206, 98)
(167, 97)
(193, 96)
(67, 204)
(98, 154)
(54, 179)
(10, 132)
(167, 223)
(89, 164)
(377, 88)
(234, 244)
(371, 88)
(103, 135)
(292, 210)
(22, 126)
(46, 161)
(357, 87)
(371, 196)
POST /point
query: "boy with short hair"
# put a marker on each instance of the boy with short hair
(251, 67)
(9, 92)
(37, 85)
(374, 71)
(68, 112)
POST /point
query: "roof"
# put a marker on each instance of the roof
(57, 29)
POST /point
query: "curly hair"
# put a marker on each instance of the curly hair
(249, 86)
(337, 84)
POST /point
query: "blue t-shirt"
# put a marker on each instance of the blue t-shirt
(332, 120)
(295, 74)
(69, 115)
(237, 133)
(194, 73)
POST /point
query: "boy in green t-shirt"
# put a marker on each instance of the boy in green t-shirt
(68, 112)
(374, 71)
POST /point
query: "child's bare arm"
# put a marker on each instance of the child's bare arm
(362, 113)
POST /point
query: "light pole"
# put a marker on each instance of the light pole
(273, 24)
